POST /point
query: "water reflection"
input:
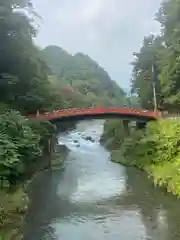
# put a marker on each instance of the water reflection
(93, 198)
(160, 210)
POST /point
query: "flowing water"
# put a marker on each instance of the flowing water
(93, 198)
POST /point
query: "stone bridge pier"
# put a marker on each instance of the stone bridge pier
(127, 128)
(141, 125)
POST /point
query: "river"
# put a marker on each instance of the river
(93, 198)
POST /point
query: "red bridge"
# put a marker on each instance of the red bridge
(99, 112)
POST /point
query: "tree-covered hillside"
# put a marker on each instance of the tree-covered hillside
(87, 82)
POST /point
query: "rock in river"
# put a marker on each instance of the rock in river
(89, 138)
(61, 149)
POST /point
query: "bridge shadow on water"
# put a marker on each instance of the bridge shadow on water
(159, 211)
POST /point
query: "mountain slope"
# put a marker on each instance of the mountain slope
(89, 82)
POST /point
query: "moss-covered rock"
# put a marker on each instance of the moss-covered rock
(58, 156)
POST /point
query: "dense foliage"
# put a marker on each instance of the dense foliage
(20, 144)
(81, 79)
(157, 151)
(163, 53)
(23, 80)
(24, 87)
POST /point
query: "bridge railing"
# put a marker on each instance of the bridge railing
(172, 115)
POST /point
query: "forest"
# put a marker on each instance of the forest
(86, 83)
(161, 51)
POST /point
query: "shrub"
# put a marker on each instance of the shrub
(44, 129)
(157, 150)
(159, 143)
(19, 145)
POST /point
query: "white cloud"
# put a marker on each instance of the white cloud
(109, 31)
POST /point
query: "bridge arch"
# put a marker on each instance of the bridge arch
(97, 113)
(141, 117)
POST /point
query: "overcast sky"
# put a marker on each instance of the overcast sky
(109, 31)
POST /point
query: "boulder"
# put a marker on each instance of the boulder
(89, 138)
(61, 148)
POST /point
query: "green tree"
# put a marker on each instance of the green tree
(169, 18)
(23, 75)
(19, 145)
(163, 51)
(142, 75)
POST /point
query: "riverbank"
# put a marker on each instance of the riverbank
(155, 151)
(27, 150)
(15, 201)
(13, 207)
(28, 147)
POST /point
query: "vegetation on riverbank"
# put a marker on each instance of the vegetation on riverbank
(24, 88)
(155, 150)
(14, 204)
(21, 145)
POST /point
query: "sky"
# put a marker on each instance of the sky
(109, 31)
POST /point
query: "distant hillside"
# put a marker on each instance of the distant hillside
(81, 79)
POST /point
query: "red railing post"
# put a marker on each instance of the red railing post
(37, 114)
